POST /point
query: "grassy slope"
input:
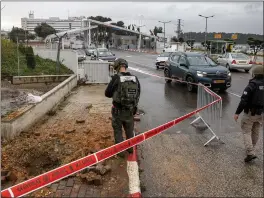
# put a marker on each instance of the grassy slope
(9, 64)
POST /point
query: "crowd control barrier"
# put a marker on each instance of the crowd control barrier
(38, 182)
(212, 115)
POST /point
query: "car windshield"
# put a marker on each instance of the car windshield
(106, 53)
(239, 56)
(166, 54)
(200, 61)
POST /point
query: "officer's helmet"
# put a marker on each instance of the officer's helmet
(119, 62)
(258, 70)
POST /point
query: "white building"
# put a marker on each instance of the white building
(58, 24)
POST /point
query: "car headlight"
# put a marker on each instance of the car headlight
(201, 74)
(100, 59)
(229, 73)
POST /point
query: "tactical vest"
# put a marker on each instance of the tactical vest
(127, 93)
(257, 102)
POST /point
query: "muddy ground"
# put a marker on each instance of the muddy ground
(79, 126)
(14, 97)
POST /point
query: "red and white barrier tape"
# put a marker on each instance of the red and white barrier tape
(66, 170)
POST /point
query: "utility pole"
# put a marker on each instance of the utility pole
(58, 53)
(139, 40)
(17, 58)
(164, 22)
(179, 31)
(205, 36)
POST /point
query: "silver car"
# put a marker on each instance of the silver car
(161, 59)
(235, 61)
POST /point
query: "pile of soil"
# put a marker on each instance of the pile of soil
(45, 147)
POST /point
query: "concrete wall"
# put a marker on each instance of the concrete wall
(67, 57)
(24, 118)
(39, 79)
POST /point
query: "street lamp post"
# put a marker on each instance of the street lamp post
(205, 37)
(164, 22)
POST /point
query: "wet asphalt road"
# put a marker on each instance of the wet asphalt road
(175, 163)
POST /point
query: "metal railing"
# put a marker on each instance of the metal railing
(211, 117)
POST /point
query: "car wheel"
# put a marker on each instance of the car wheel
(157, 67)
(167, 74)
(246, 70)
(190, 87)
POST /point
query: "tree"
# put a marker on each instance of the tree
(44, 30)
(190, 43)
(157, 30)
(255, 44)
(208, 44)
(181, 40)
(174, 39)
(21, 34)
(120, 24)
(31, 62)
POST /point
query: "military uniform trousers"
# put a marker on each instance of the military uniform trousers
(250, 126)
(122, 118)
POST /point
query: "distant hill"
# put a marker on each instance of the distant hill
(241, 38)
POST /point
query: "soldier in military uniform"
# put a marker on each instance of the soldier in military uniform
(252, 102)
(124, 88)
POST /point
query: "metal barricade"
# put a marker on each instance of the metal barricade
(211, 116)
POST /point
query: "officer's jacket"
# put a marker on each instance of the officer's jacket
(113, 85)
(252, 99)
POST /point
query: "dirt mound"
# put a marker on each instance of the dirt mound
(45, 146)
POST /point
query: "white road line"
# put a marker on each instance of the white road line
(128, 56)
(234, 94)
(140, 63)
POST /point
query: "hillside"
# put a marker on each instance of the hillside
(199, 36)
(9, 61)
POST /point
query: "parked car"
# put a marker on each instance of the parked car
(197, 68)
(106, 56)
(89, 51)
(102, 49)
(81, 55)
(235, 61)
(161, 59)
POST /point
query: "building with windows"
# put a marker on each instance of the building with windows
(58, 24)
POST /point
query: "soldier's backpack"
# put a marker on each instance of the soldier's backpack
(127, 93)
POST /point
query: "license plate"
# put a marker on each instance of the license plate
(242, 62)
(219, 81)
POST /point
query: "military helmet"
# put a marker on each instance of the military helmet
(119, 62)
(258, 70)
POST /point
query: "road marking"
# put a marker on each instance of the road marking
(128, 56)
(139, 63)
(234, 94)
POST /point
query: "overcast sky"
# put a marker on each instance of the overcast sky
(241, 17)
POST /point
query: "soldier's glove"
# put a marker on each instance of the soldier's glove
(135, 110)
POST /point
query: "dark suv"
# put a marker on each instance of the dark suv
(195, 67)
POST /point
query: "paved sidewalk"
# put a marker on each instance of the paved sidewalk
(80, 126)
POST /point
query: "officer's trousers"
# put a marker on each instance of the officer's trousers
(250, 126)
(122, 118)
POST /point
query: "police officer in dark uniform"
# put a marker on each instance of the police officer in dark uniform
(121, 115)
(252, 102)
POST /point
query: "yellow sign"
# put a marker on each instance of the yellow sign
(218, 36)
(234, 36)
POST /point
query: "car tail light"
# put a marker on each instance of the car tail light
(233, 62)
(250, 62)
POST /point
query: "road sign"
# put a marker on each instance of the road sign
(218, 36)
(234, 36)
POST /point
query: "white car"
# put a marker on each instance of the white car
(235, 61)
(161, 59)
